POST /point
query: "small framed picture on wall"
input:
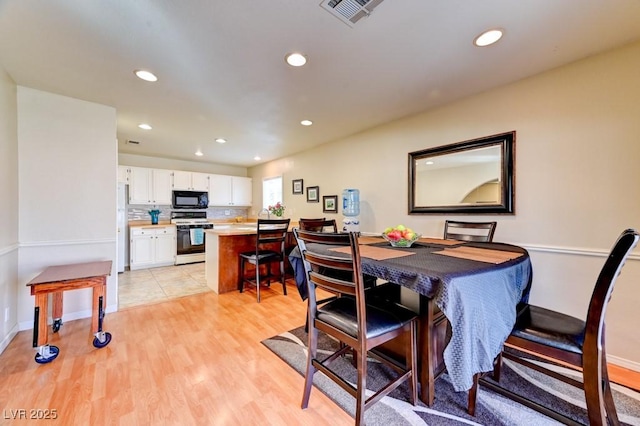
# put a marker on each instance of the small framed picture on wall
(313, 194)
(298, 187)
(330, 204)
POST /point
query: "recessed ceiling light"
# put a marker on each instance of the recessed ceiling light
(146, 75)
(296, 59)
(429, 163)
(306, 122)
(488, 37)
(221, 140)
(257, 158)
(144, 126)
(199, 153)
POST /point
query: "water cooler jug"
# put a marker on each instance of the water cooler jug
(351, 210)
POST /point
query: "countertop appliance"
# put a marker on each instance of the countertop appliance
(190, 236)
(189, 200)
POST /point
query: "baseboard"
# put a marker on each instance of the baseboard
(624, 363)
(5, 342)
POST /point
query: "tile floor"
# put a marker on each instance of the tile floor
(146, 286)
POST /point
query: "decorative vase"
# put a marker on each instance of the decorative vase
(154, 216)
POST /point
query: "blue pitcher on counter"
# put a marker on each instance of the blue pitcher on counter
(154, 216)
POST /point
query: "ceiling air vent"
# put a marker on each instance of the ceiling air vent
(350, 11)
(133, 142)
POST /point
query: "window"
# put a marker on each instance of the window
(271, 191)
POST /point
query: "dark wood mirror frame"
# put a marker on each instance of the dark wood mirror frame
(506, 203)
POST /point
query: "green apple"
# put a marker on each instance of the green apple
(400, 228)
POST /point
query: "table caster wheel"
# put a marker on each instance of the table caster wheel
(102, 340)
(47, 354)
(56, 325)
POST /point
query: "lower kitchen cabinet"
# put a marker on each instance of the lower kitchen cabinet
(152, 246)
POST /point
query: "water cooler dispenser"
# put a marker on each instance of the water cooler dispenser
(351, 210)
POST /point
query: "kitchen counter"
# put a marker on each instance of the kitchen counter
(146, 223)
(215, 222)
(222, 247)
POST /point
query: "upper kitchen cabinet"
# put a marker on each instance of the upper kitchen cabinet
(230, 191)
(149, 186)
(123, 174)
(190, 181)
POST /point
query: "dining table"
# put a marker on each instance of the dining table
(473, 286)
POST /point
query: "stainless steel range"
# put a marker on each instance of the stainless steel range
(190, 235)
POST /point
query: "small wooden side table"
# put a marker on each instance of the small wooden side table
(56, 280)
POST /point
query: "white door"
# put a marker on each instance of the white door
(165, 246)
(242, 191)
(143, 249)
(200, 181)
(140, 185)
(162, 182)
(181, 180)
(219, 190)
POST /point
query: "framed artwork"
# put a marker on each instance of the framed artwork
(330, 204)
(313, 194)
(298, 187)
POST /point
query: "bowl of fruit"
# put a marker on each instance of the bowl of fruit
(400, 236)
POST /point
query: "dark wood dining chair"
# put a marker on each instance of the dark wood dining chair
(271, 236)
(318, 225)
(358, 325)
(469, 231)
(570, 342)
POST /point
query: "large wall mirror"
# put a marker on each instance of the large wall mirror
(475, 176)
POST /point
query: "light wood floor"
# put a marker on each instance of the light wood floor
(193, 360)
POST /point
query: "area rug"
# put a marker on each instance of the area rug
(449, 407)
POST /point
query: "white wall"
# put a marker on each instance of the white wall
(577, 155)
(9, 210)
(67, 156)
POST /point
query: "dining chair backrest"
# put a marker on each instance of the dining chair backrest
(344, 318)
(318, 225)
(271, 231)
(341, 274)
(575, 343)
(469, 231)
(594, 331)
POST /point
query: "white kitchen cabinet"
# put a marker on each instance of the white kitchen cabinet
(152, 246)
(241, 191)
(229, 191)
(149, 186)
(123, 174)
(190, 181)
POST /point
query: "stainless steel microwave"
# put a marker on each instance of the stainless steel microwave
(190, 200)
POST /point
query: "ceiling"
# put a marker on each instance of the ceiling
(222, 72)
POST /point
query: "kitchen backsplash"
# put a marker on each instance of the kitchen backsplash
(141, 212)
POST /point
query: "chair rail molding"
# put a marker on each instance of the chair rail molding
(8, 249)
(68, 242)
(572, 250)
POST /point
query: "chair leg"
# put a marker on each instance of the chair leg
(241, 275)
(609, 404)
(258, 280)
(473, 395)
(282, 277)
(361, 386)
(308, 377)
(412, 362)
(593, 391)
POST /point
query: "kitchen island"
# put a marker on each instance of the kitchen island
(223, 243)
